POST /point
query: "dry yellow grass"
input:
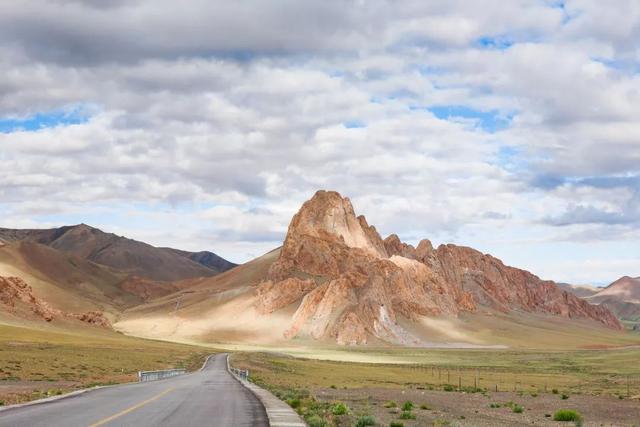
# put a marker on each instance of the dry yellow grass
(34, 362)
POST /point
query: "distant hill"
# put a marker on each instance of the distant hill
(581, 291)
(127, 255)
(624, 289)
(41, 283)
(206, 258)
(622, 297)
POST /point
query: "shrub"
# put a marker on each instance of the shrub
(494, 405)
(407, 406)
(564, 397)
(448, 387)
(567, 415)
(1, 402)
(294, 402)
(554, 391)
(365, 420)
(390, 404)
(518, 409)
(407, 415)
(425, 407)
(339, 409)
(333, 386)
(396, 424)
(316, 421)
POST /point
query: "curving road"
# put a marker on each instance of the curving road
(210, 397)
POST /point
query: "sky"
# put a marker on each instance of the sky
(512, 127)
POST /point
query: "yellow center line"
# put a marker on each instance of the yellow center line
(131, 409)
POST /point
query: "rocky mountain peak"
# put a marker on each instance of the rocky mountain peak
(351, 286)
(328, 215)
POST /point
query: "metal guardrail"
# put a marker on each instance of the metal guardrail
(240, 373)
(158, 375)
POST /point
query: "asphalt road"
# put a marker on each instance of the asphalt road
(211, 397)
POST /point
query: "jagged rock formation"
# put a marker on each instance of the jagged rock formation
(17, 297)
(354, 286)
(16, 294)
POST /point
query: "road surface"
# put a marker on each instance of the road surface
(211, 397)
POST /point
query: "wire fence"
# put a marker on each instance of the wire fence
(492, 379)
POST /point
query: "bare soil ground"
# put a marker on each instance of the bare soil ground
(474, 409)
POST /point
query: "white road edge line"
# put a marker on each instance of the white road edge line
(279, 413)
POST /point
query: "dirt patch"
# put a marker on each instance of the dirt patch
(475, 409)
(12, 392)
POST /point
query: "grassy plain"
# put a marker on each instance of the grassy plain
(591, 381)
(36, 363)
(578, 371)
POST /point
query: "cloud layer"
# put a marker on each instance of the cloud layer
(512, 127)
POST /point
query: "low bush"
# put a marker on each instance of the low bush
(554, 391)
(316, 421)
(567, 415)
(339, 409)
(518, 409)
(407, 415)
(365, 420)
(407, 406)
(390, 404)
(294, 402)
(495, 405)
(396, 424)
(564, 397)
(448, 387)
(425, 407)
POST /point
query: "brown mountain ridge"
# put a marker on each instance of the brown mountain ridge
(127, 255)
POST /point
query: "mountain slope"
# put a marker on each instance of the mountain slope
(335, 280)
(42, 283)
(581, 291)
(206, 258)
(622, 297)
(624, 289)
(124, 254)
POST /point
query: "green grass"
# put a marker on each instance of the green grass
(407, 415)
(407, 406)
(365, 421)
(339, 409)
(567, 415)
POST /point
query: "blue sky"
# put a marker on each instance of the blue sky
(510, 127)
(43, 120)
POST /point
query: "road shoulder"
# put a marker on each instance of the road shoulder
(279, 413)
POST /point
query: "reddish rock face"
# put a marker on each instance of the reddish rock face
(17, 297)
(353, 285)
(15, 294)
